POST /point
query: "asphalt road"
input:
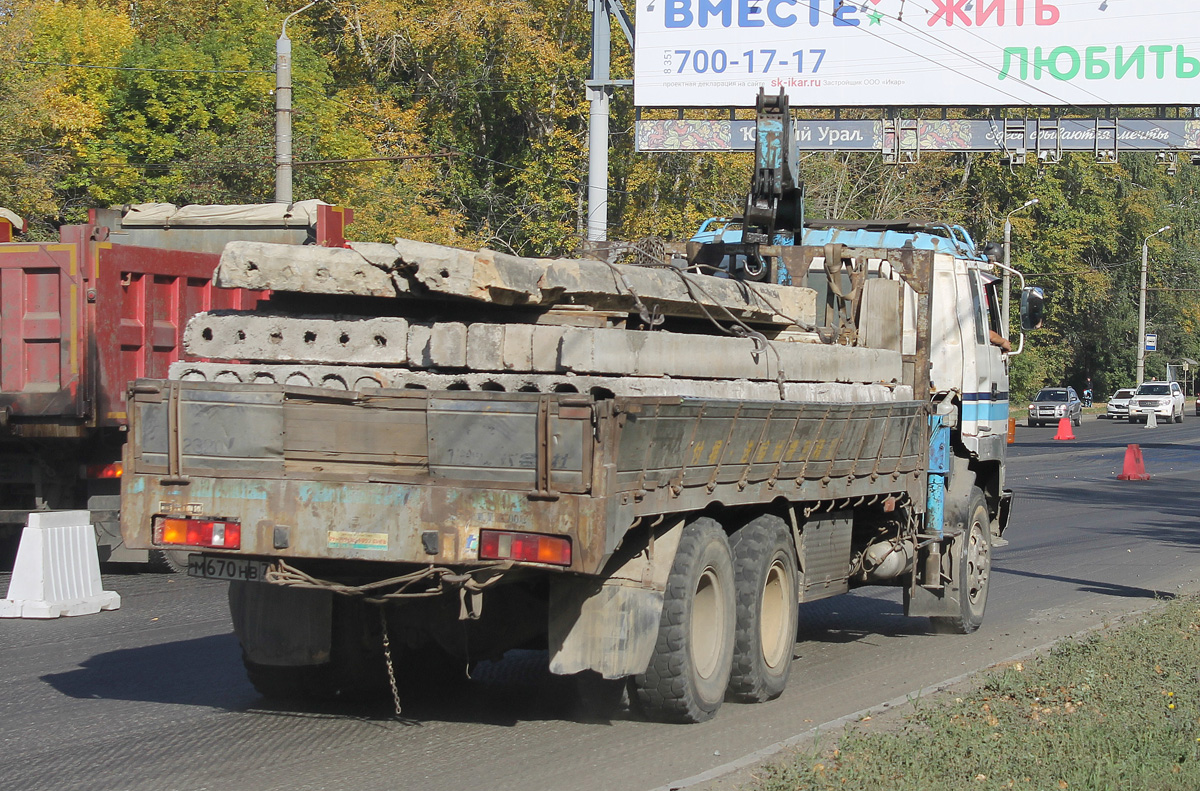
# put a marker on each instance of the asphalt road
(152, 696)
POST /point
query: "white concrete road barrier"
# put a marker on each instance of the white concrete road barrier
(57, 570)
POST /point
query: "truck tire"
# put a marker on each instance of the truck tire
(692, 660)
(767, 584)
(279, 683)
(970, 568)
(173, 561)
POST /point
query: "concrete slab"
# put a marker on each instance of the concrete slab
(308, 269)
(411, 267)
(349, 377)
(622, 352)
(239, 335)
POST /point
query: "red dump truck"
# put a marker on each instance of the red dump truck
(81, 317)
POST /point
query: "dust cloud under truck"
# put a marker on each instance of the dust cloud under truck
(456, 454)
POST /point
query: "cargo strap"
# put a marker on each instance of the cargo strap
(438, 579)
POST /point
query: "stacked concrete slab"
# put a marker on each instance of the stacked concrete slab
(528, 348)
(362, 378)
(533, 352)
(419, 270)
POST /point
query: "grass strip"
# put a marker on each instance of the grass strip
(1117, 709)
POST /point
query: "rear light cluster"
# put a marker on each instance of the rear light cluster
(530, 547)
(218, 534)
(103, 471)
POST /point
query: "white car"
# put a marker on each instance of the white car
(1164, 399)
(1118, 404)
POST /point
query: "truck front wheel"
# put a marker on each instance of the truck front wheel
(689, 670)
(970, 569)
(764, 562)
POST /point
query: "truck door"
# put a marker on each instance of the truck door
(991, 394)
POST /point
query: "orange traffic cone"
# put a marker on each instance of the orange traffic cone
(1064, 429)
(1012, 430)
(1135, 468)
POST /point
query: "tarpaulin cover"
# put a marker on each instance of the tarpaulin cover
(166, 215)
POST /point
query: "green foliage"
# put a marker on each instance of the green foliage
(1111, 711)
(468, 125)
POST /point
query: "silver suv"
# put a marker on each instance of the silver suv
(1164, 399)
(1052, 404)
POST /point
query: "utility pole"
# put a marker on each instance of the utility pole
(1007, 248)
(1141, 337)
(599, 92)
(283, 111)
(598, 99)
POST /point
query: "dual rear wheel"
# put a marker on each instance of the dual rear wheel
(728, 624)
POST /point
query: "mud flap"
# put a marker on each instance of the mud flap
(920, 600)
(611, 627)
(106, 517)
(281, 626)
(1003, 513)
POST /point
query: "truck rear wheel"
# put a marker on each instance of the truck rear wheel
(174, 561)
(970, 568)
(287, 683)
(689, 670)
(766, 580)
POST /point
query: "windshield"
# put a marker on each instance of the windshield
(1122, 394)
(1154, 390)
(1052, 395)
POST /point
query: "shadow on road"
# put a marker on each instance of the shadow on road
(205, 671)
(208, 672)
(1094, 586)
(848, 619)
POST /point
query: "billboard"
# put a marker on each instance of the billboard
(945, 53)
(958, 135)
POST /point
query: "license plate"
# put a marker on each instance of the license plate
(238, 569)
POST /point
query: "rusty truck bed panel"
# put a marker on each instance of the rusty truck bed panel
(362, 476)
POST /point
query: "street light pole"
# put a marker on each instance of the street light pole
(1007, 264)
(283, 110)
(1141, 338)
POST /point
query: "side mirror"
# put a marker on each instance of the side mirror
(1032, 307)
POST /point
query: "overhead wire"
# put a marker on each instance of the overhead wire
(141, 68)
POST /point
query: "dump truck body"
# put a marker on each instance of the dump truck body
(82, 317)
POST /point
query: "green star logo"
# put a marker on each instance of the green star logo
(876, 17)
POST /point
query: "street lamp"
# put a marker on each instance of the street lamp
(283, 110)
(1141, 338)
(1007, 265)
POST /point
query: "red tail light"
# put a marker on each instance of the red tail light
(94, 471)
(218, 534)
(531, 547)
